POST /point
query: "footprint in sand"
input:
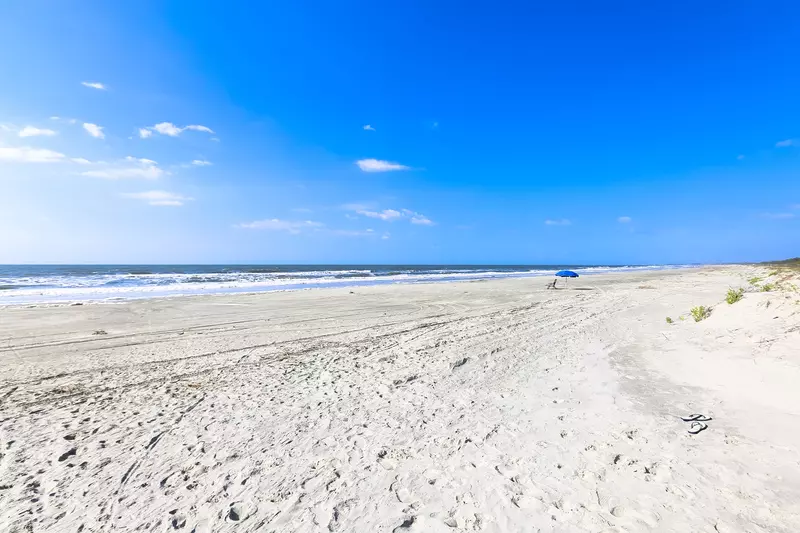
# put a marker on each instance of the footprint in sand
(340, 511)
(402, 493)
(239, 511)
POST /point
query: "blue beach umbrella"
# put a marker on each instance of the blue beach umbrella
(564, 274)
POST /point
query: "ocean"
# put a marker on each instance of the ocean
(22, 284)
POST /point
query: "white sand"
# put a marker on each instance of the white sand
(488, 406)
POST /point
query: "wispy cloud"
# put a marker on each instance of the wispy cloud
(296, 227)
(276, 224)
(130, 167)
(94, 85)
(386, 214)
(367, 127)
(778, 216)
(159, 198)
(80, 161)
(353, 233)
(94, 130)
(202, 163)
(26, 154)
(418, 218)
(197, 127)
(369, 232)
(377, 165)
(786, 143)
(624, 220)
(557, 222)
(740, 157)
(389, 215)
(171, 130)
(32, 131)
(301, 210)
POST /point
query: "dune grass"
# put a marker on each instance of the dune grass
(734, 295)
(701, 312)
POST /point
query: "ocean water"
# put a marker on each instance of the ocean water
(70, 283)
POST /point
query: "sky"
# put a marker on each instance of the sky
(399, 132)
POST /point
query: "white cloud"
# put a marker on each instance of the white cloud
(168, 128)
(215, 139)
(377, 165)
(198, 127)
(171, 130)
(62, 119)
(202, 163)
(94, 130)
(31, 131)
(131, 167)
(386, 236)
(295, 227)
(354, 233)
(94, 85)
(26, 154)
(787, 142)
(301, 210)
(386, 214)
(276, 224)
(367, 127)
(778, 216)
(421, 219)
(624, 220)
(557, 222)
(81, 161)
(417, 218)
(740, 157)
(141, 161)
(159, 198)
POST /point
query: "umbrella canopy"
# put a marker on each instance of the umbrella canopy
(566, 274)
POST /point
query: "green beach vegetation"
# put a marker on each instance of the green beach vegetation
(734, 295)
(701, 312)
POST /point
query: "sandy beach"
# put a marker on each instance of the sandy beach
(494, 406)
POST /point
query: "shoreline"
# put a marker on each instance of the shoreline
(498, 406)
(71, 296)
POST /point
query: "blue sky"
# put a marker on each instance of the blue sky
(498, 132)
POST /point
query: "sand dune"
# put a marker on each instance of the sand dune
(480, 406)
